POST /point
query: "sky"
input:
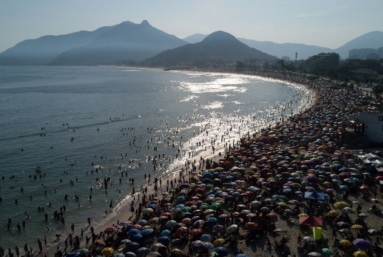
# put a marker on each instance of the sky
(326, 23)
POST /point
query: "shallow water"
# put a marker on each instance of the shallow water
(86, 113)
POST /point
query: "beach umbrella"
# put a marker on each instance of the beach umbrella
(107, 251)
(74, 254)
(177, 252)
(327, 251)
(137, 236)
(171, 223)
(155, 254)
(345, 242)
(340, 205)
(219, 241)
(125, 224)
(374, 201)
(332, 213)
(314, 254)
(360, 254)
(222, 251)
(218, 227)
(308, 239)
(153, 221)
(147, 231)
(134, 231)
(164, 240)
(197, 243)
(83, 252)
(251, 225)
(143, 250)
(142, 222)
(165, 232)
(231, 229)
(205, 237)
(361, 243)
(109, 229)
(147, 211)
(208, 245)
(130, 254)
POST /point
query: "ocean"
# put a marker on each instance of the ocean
(65, 129)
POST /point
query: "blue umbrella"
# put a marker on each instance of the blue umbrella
(195, 218)
(343, 187)
(143, 250)
(164, 240)
(75, 254)
(147, 231)
(235, 194)
(205, 237)
(229, 177)
(187, 213)
(180, 198)
(287, 190)
(207, 175)
(168, 204)
(130, 254)
(125, 224)
(142, 222)
(336, 181)
(356, 180)
(211, 219)
(208, 245)
(207, 181)
(366, 173)
(299, 193)
(134, 244)
(180, 206)
(276, 197)
(133, 232)
(165, 232)
(137, 236)
(221, 251)
(153, 206)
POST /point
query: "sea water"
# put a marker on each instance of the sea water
(69, 121)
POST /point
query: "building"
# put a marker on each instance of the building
(366, 53)
(372, 125)
(322, 61)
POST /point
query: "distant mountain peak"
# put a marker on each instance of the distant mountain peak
(145, 22)
(127, 23)
(219, 36)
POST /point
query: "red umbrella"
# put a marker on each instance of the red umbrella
(251, 225)
(136, 226)
(196, 231)
(111, 229)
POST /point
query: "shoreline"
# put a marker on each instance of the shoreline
(122, 211)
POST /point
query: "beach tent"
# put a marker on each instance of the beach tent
(317, 233)
(310, 221)
(314, 196)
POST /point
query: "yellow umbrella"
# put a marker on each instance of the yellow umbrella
(360, 254)
(177, 252)
(153, 221)
(219, 241)
(341, 205)
(303, 215)
(270, 179)
(345, 242)
(327, 183)
(332, 213)
(282, 204)
(107, 251)
(356, 227)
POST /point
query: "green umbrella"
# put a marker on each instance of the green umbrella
(83, 252)
(214, 206)
(209, 186)
(296, 185)
(327, 251)
(204, 206)
(284, 198)
(171, 191)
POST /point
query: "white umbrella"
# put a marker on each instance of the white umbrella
(314, 254)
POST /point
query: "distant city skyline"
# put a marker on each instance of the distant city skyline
(322, 23)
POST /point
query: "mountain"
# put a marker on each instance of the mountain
(216, 46)
(372, 39)
(279, 50)
(286, 49)
(196, 38)
(121, 43)
(43, 50)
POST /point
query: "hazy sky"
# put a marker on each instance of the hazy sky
(327, 23)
